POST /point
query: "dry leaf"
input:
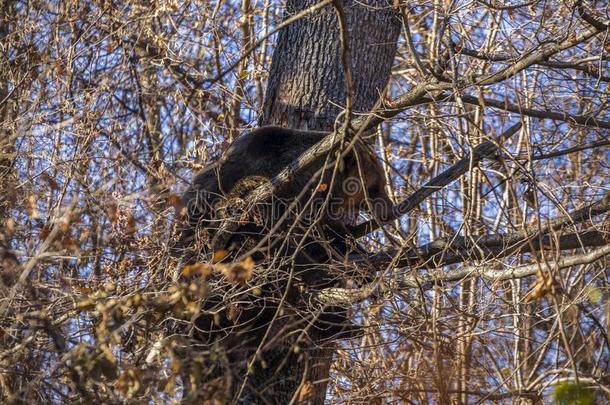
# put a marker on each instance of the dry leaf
(305, 391)
(197, 269)
(113, 213)
(175, 201)
(542, 286)
(50, 181)
(32, 207)
(130, 224)
(129, 382)
(84, 235)
(239, 272)
(44, 232)
(9, 227)
(68, 243)
(219, 255)
(60, 69)
(64, 224)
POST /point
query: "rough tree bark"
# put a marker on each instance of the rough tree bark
(306, 86)
(306, 90)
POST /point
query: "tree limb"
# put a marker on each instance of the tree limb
(345, 296)
(586, 120)
(414, 96)
(485, 149)
(452, 250)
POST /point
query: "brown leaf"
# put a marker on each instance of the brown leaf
(64, 224)
(82, 236)
(175, 201)
(9, 227)
(219, 255)
(130, 382)
(130, 224)
(32, 206)
(239, 272)
(305, 391)
(68, 243)
(542, 286)
(195, 165)
(44, 232)
(50, 181)
(86, 304)
(112, 211)
(197, 269)
(60, 69)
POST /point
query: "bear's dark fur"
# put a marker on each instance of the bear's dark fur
(260, 155)
(300, 248)
(298, 251)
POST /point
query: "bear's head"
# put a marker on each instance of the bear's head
(360, 188)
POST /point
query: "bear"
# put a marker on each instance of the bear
(298, 239)
(260, 155)
(256, 157)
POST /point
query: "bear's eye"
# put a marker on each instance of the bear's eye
(373, 190)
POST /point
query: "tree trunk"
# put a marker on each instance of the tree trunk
(306, 86)
(306, 90)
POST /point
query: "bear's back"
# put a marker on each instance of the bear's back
(265, 152)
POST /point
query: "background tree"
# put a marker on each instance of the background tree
(493, 287)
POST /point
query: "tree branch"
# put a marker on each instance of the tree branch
(586, 120)
(530, 269)
(480, 152)
(536, 57)
(456, 249)
(345, 296)
(414, 96)
(567, 151)
(499, 57)
(589, 18)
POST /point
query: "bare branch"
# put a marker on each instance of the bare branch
(343, 296)
(484, 150)
(457, 249)
(585, 120)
